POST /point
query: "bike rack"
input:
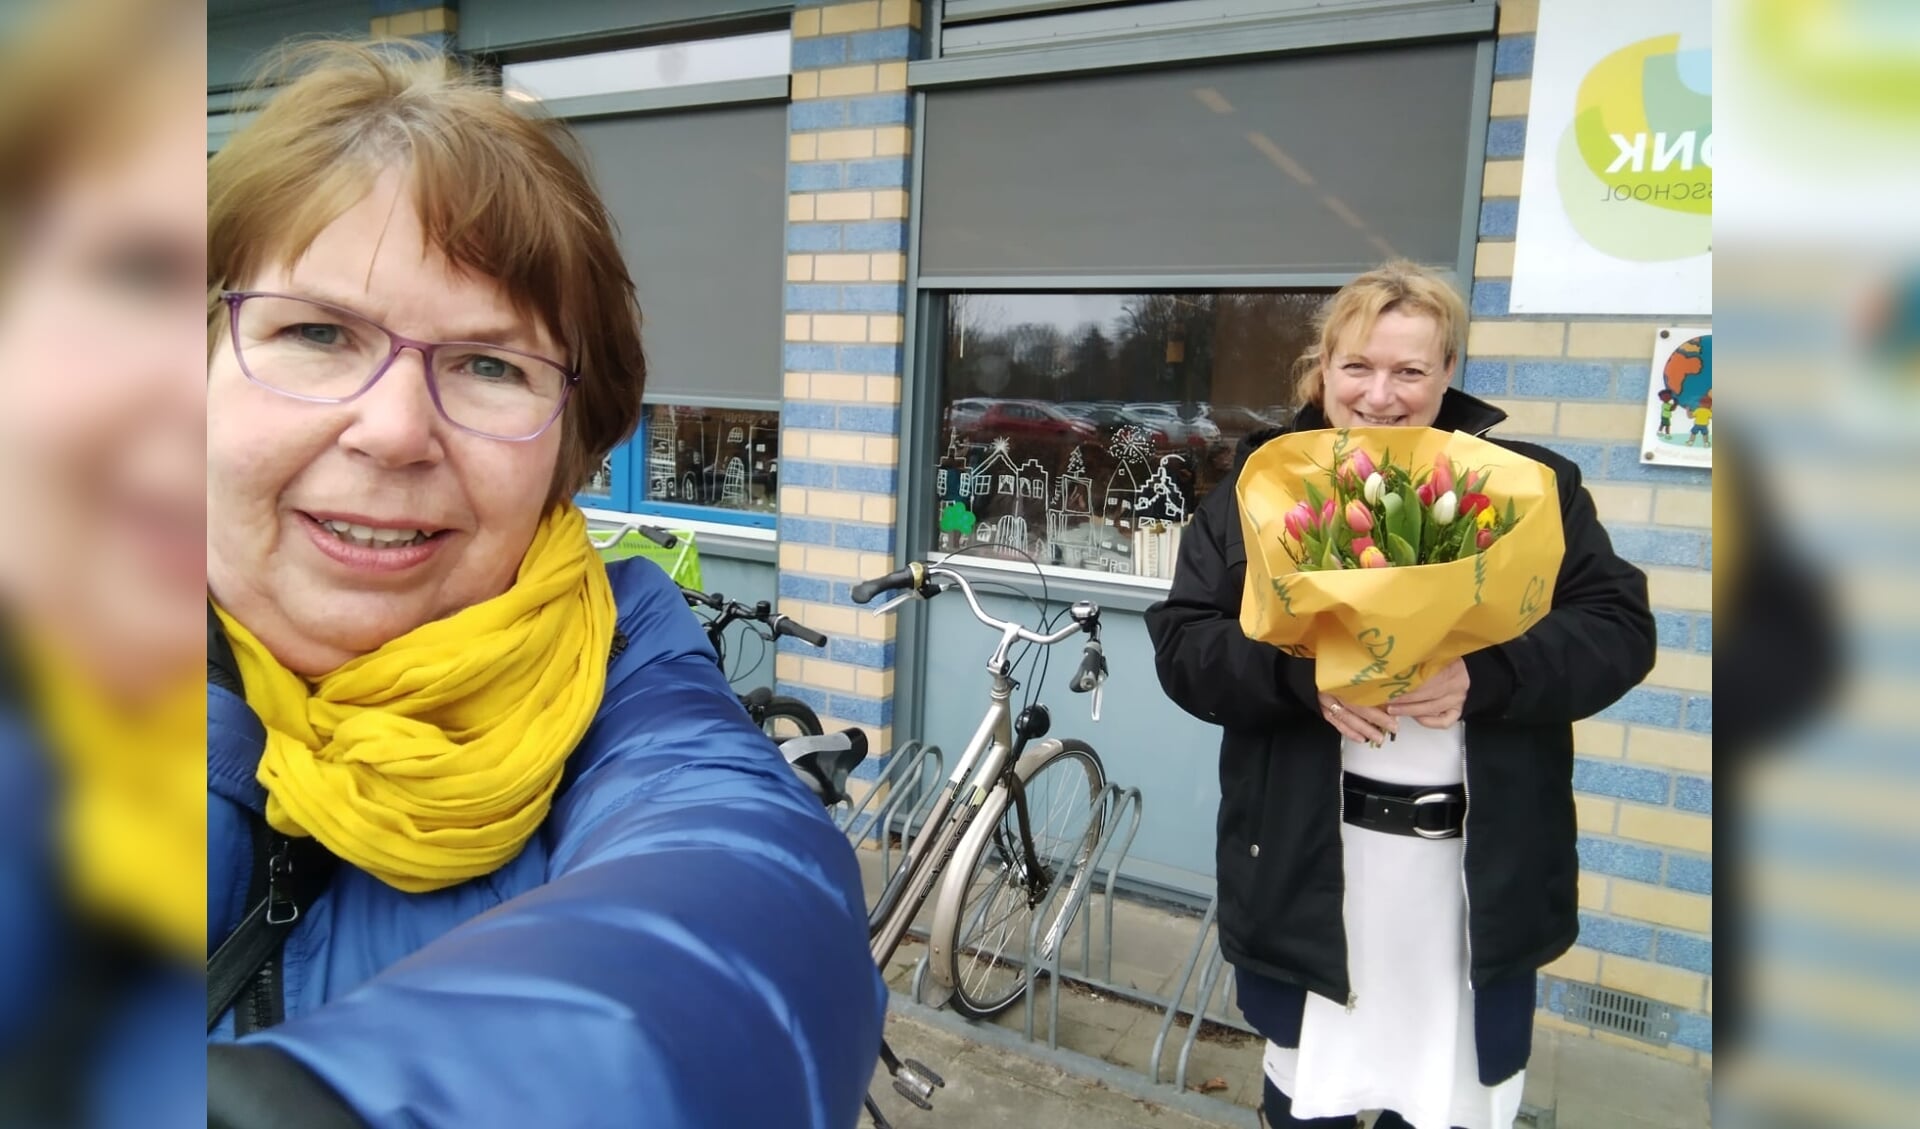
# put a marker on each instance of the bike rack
(1186, 977)
(910, 793)
(1117, 803)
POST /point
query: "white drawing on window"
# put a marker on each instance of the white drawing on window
(734, 492)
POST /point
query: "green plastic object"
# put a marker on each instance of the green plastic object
(682, 562)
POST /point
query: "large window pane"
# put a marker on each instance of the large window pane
(1327, 163)
(1084, 429)
(720, 457)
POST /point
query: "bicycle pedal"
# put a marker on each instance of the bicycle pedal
(924, 1071)
(913, 1095)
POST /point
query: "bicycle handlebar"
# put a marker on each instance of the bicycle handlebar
(782, 625)
(732, 611)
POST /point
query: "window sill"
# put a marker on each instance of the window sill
(1065, 585)
(715, 539)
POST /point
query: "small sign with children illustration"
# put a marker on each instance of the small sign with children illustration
(1679, 428)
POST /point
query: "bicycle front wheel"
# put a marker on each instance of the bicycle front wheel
(982, 926)
(783, 718)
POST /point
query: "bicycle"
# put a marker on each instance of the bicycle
(998, 868)
(778, 716)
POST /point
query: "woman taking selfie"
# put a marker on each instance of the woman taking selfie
(551, 873)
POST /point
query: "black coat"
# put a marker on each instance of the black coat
(1278, 858)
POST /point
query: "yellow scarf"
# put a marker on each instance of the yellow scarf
(133, 820)
(433, 759)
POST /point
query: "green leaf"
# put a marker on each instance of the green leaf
(1399, 551)
(1314, 497)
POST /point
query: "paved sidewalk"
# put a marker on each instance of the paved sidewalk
(1100, 1074)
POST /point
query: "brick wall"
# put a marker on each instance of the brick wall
(432, 23)
(848, 157)
(1643, 772)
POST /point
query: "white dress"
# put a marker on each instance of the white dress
(1406, 1043)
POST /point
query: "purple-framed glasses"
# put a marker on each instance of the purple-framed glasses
(324, 354)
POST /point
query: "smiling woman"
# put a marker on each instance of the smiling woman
(423, 338)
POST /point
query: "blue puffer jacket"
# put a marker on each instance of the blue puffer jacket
(683, 943)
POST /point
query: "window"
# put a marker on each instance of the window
(718, 457)
(1084, 429)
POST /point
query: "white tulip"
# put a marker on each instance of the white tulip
(1373, 489)
(1445, 507)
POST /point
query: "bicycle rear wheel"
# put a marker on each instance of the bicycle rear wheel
(981, 925)
(783, 718)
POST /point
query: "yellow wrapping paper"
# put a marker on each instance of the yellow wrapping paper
(1375, 634)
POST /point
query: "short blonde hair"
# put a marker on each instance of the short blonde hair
(1399, 285)
(505, 195)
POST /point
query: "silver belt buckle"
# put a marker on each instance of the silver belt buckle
(1431, 798)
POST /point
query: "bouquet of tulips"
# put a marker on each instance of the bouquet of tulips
(1378, 515)
(1383, 571)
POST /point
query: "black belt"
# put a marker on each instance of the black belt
(1435, 812)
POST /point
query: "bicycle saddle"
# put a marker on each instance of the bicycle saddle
(824, 763)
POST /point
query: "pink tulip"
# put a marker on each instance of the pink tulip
(1425, 493)
(1326, 513)
(1299, 521)
(1359, 517)
(1371, 557)
(1362, 544)
(1442, 475)
(1357, 467)
(1484, 538)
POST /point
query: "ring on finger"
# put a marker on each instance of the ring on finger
(1334, 707)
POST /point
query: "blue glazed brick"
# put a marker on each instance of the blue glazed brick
(1589, 457)
(825, 51)
(799, 472)
(866, 711)
(859, 652)
(1624, 465)
(1693, 793)
(815, 698)
(1707, 561)
(1694, 1031)
(1630, 383)
(882, 235)
(868, 479)
(808, 297)
(807, 358)
(1621, 860)
(1507, 137)
(1703, 634)
(883, 299)
(806, 588)
(1561, 380)
(1487, 378)
(815, 176)
(1690, 873)
(1513, 57)
(828, 113)
(1490, 297)
(1499, 218)
(813, 237)
(1658, 546)
(869, 358)
(881, 46)
(1611, 936)
(843, 595)
(878, 109)
(1602, 778)
(806, 531)
(1642, 706)
(867, 538)
(798, 413)
(1680, 950)
(880, 172)
(1674, 628)
(873, 421)
(1700, 714)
